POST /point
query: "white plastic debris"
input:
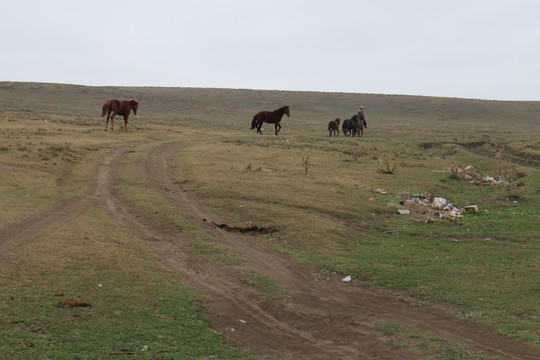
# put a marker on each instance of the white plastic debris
(439, 203)
(404, 211)
(347, 278)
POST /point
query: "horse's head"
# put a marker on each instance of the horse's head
(134, 105)
(286, 110)
(338, 120)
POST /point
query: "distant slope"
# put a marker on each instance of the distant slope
(240, 104)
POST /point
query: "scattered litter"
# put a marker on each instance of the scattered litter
(381, 191)
(473, 176)
(491, 179)
(243, 321)
(452, 210)
(427, 207)
(371, 199)
(347, 278)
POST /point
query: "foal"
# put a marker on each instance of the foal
(333, 127)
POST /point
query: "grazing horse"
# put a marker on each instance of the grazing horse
(119, 107)
(333, 127)
(272, 117)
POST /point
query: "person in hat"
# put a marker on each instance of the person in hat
(361, 116)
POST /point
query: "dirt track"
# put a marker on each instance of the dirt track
(323, 318)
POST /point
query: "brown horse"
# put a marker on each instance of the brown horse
(359, 126)
(119, 107)
(272, 117)
(333, 127)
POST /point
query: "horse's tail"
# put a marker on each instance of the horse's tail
(254, 122)
(105, 107)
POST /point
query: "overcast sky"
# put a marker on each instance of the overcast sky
(460, 48)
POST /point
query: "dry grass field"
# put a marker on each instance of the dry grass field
(192, 237)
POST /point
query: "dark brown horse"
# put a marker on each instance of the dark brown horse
(271, 117)
(115, 107)
(353, 127)
(333, 127)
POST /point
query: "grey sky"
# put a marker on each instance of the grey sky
(460, 48)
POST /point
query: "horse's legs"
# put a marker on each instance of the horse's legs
(278, 127)
(112, 120)
(259, 127)
(107, 121)
(125, 122)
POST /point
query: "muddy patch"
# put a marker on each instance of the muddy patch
(246, 229)
(69, 303)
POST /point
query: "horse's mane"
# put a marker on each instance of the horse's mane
(282, 109)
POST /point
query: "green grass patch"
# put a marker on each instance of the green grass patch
(269, 287)
(400, 336)
(144, 313)
(219, 251)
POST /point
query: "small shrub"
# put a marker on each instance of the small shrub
(305, 164)
(385, 167)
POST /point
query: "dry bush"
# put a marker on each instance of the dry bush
(355, 153)
(468, 174)
(509, 172)
(305, 164)
(506, 169)
(385, 167)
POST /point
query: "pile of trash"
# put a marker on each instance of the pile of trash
(473, 176)
(428, 207)
(448, 208)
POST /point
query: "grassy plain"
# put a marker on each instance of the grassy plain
(335, 216)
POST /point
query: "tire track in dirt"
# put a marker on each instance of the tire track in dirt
(239, 313)
(15, 233)
(335, 320)
(323, 318)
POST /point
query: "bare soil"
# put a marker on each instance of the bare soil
(322, 318)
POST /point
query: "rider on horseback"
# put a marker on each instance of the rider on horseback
(361, 116)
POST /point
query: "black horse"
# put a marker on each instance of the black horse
(349, 127)
(353, 127)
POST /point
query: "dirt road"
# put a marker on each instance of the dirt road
(322, 318)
